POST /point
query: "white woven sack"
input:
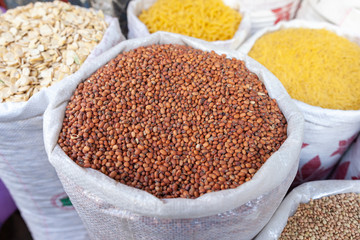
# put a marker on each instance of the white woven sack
(303, 194)
(24, 165)
(111, 210)
(349, 166)
(345, 13)
(327, 132)
(138, 29)
(266, 13)
(308, 12)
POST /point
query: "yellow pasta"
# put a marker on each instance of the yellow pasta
(210, 20)
(316, 66)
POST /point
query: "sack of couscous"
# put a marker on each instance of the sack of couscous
(319, 65)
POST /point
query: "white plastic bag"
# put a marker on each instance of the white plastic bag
(349, 166)
(111, 210)
(266, 13)
(138, 28)
(327, 132)
(303, 194)
(24, 165)
(345, 13)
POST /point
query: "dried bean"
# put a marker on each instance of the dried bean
(178, 126)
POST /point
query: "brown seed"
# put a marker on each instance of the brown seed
(172, 123)
(221, 179)
(112, 174)
(86, 149)
(162, 168)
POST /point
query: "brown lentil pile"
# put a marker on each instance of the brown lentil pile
(332, 217)
(173, 121)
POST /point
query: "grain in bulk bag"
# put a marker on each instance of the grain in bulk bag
(327, 132)
(349, 166)
(309, 193)
(138, 29)
(112, 210)
(24, 166)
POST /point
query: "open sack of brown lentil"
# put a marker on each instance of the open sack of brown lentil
(157, 117)
(319, 66)
(222, 23)
(328, 209)
(42, 44)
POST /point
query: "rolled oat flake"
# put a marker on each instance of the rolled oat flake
(42, 43)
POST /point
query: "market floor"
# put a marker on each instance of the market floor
(14, 228)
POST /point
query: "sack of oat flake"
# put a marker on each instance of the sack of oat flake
(56, 39)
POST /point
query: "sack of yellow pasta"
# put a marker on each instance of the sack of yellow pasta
(216, 21)
(319, 65)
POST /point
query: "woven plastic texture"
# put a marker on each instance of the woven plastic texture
(229, 225)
